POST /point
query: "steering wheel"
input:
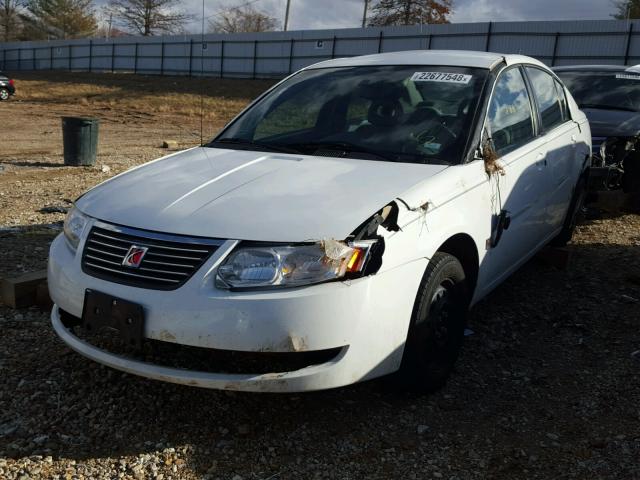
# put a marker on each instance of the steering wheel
(434, 129)
(385, 112)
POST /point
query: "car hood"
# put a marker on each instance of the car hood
(248, 195)
(613, 123)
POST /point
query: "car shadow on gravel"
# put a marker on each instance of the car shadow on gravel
(547, 383)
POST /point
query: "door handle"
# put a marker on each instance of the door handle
(541, 160)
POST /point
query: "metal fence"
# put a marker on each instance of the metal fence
(276, 54)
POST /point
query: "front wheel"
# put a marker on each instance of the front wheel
(437, 326)
(4, 94)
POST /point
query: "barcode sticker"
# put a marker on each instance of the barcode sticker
(627, 77)
(441, 77)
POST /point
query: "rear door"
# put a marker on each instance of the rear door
(560, 136)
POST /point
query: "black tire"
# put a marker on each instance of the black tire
(437, 326)
(574, 213)
(4, 94)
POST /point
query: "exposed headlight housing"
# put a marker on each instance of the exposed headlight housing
(292, 265)
(74, 225)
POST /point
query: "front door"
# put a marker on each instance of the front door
(521, 191)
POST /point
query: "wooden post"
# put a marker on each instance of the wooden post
(162, 57)
(380, 38)
(190, 56)
(628, 47)
(221, 59)
(255, 52)
(290, 55)
(488, 42)
(135, 60)
(555, 49)
(90, 56)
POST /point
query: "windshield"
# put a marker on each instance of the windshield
(419, 114)
(608, 90)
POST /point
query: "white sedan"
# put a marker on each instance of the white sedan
(337, 230)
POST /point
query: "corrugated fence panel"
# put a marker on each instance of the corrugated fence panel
(276, 54)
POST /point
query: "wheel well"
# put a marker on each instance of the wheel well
(464, 249)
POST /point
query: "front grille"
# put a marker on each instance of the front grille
(168, 263)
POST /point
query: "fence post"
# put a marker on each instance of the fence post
(555, 49)
(70, 56)
(380, 38)
(190, 56)
(488, 42)
(333, 47)
(90, 56)
(135, 60)
(255, 53)
(4, 58)
(162, 57)
(221, 58)
(50, 58)
(33, 58)
(113, 49)
(628, 47)
(291, 42)
(429, 42)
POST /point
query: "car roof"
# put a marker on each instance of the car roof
(600, 68)
(462, 58)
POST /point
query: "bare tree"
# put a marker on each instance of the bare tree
(242, 19)
(150, 17)
(410, 12)
(61, 18)
(626, 9)
(10, 24)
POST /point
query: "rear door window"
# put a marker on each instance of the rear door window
(544, 89)
(510, 116)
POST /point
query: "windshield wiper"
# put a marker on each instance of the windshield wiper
(252, 143)
(601, 106)
(346, 148)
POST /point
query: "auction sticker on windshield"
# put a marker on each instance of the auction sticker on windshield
(441, 77)
(627, 77)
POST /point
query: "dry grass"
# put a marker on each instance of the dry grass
(144, 95)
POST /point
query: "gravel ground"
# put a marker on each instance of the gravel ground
(548, 385)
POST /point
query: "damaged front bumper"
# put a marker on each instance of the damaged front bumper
(365, 321)
(309, 378)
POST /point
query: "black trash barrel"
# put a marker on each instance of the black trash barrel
(80, 139)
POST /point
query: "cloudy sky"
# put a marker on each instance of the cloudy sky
(309, 14)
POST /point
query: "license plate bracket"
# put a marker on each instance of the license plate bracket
(103, 310)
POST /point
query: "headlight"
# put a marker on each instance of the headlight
(292, 266)
(74, 226)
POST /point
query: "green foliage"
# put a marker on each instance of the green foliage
(410, 12)
(62, 18)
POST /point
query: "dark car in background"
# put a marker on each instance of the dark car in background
(610, 97)
(7, 87)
